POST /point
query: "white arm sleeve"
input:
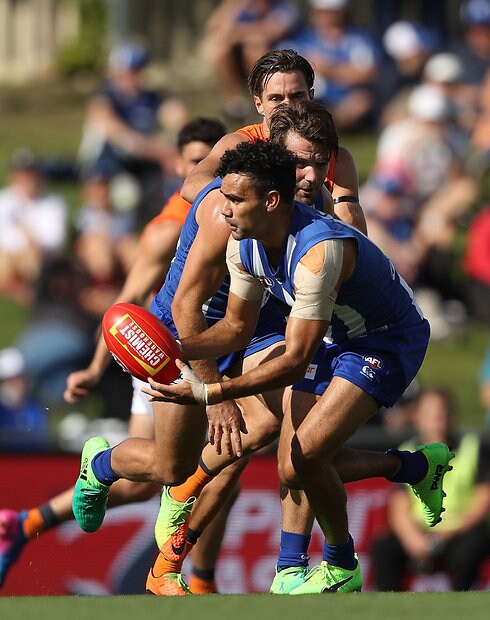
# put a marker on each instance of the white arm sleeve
(243, 284)
(315, 279)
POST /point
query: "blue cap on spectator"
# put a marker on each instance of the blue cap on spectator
(476, 13)
(129, 56)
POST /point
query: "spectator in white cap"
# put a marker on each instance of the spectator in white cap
(431, 154)
(408, 45)
(445, 70)
(24, 422)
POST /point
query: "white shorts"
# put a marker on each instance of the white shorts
(140, 404)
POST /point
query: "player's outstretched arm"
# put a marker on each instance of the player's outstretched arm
(303, 338)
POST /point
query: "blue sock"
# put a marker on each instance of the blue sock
(293, 550)
(413, 467)
(101, 466)
(340, 555)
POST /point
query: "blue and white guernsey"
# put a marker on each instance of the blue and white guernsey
(375, 298)
(214, 308)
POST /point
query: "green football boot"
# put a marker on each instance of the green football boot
(172, 525)
(288, 579)
(429, 490)
(326, 578)
(90, 496)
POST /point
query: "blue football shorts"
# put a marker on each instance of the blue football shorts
(382, 364)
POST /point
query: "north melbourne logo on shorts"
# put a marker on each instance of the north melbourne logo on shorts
(368, 372)
(311, 371)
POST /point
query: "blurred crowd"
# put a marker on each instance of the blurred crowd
(423, 95)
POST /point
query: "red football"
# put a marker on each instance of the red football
(141, 343)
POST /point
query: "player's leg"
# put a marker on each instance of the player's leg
(212, 483)
(262, 415)
(172, 456)
(297, 516)
(18, 528)
(208, 546)
(312, 455)
(140, 425)
(168, 459)
(165, 578)
(306, 452)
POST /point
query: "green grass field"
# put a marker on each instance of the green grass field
(366, 606)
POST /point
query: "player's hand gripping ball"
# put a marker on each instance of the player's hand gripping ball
(141, 343)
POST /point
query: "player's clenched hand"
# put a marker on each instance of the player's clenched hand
(225, 423)
(79, 384)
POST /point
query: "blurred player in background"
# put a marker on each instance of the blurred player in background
(156, 250)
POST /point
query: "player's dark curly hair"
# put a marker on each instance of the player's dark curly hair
(310, 119)
(278, 61)
(200, 129)
(270, 166)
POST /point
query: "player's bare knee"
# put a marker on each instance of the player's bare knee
(172, 474)
(262, 436)
(287, 474)
(304, 462)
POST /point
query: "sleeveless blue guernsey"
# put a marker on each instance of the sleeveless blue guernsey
(272, 324)
(215, 307)
(374, 299)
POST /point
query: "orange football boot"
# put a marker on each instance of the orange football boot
(168, 584)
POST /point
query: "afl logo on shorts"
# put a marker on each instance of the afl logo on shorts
(374, 362)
